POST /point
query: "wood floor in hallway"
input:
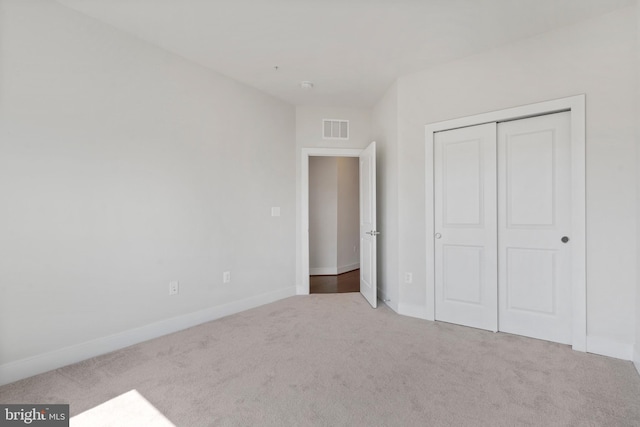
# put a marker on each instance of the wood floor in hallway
(341, 283)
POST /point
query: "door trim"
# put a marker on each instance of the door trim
(574, 104)
(303, 284)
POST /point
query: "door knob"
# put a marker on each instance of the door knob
(564, 239)
(438, 235)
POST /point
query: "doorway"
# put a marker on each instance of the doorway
(334, 237)
(367, 210)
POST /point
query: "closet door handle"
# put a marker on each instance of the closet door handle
(564, 239)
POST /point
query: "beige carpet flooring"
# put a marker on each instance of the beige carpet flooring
(331, 360)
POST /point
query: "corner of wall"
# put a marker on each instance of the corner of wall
(384, 129)
(384, 297)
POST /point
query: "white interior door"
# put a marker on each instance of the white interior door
(466, 227)
(534, 220)
(368, 232)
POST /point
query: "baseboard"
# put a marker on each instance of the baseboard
(20, 369)
(323, 271)
(347, 268)
(609, 347)
(332, 271)
(636, 357)
(412, 311)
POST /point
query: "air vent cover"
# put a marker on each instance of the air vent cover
(335, 129)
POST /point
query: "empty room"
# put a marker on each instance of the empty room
(162, 208)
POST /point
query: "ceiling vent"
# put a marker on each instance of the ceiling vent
(335, 129)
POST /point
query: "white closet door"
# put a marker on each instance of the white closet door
(466, 227)
(534, 219)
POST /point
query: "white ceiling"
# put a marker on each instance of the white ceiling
(352, 50)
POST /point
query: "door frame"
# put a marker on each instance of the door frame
(303, 287)
(574, 104)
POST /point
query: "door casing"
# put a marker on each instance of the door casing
(574, 104)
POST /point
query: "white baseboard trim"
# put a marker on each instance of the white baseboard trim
(323, 271)
(347, 268)
(412, 311)
(24, 368)
(332, 271)
(608, 347)
(636, 357)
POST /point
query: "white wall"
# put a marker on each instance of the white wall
(636, 357)
(348, 230)
(323, 215)
(309, 135)
(597, 58)
(385, 133)
(123, 167)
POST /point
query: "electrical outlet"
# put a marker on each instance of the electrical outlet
(226, 277)
(408, 277)
(174, 287)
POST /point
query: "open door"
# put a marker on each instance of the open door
(368, 233)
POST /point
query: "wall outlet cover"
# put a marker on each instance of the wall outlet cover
(174, 287)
